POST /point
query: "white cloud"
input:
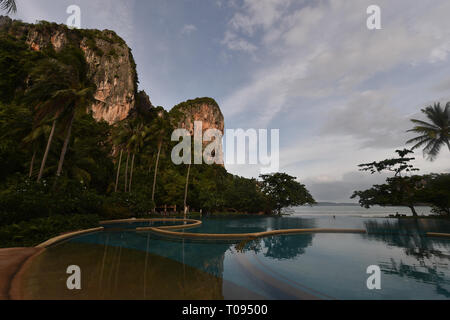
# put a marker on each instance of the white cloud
(233, 42)
(188, 29)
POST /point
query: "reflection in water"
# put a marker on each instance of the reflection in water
(124, 264)
(110, 272)
(429, 255)
(282, 246)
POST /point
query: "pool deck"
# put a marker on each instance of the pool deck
(11, 261)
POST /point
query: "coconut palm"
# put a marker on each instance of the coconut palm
(136, 142)
(435, 134)
(186, 191)
(8, 5)
(47, 77)
(36, 139)
(78, 97)
(122, 138)
(59, 88)
(119, 141)
(160, 129)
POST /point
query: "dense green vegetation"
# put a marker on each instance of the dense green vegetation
(62, 170)
(405, 188)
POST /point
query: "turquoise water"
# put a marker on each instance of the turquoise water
(308, 266)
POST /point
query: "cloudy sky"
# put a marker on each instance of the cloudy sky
(339, 93)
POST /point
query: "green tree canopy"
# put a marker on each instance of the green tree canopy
(284, 191)
(397, 191)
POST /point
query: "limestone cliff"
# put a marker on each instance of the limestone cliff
(205, 110)
(110, 61)
(113, 70)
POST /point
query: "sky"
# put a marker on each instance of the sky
(339, 93)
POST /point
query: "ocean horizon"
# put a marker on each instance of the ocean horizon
(355, 210)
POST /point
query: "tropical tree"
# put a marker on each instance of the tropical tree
(36, 139)
(136, 142)
(186, 190)
(397, 191)
(119, 141)
(437, 192)
(284, 191)
(47, 77)
(8, 5)
(160, 129)
(399, 165)
(435, 134)
(78, 96)
(60, 87)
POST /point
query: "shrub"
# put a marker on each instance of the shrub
(35, 231)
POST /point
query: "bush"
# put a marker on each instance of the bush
(24, 200)
(35, 231)
(127, 205)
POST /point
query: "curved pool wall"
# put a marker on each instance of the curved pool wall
(302, 266)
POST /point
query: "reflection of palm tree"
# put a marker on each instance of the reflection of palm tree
(408, 235)
(434, 134)
(426, 273)
(8, 5)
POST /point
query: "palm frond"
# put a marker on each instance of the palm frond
(8, 5)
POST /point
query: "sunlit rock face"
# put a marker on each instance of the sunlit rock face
(110, 63)
(204, 110)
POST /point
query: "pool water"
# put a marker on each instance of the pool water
(120, 263)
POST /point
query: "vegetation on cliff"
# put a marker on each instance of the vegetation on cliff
(60, 164)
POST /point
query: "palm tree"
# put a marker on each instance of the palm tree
(434, 134)
(138, 136)
(46, 80)
(186, 191)
(159, 128)
(36, 139)
(59, 88)
(77, 97)
(8, 5)
(119, 141)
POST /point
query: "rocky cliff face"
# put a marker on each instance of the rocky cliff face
(205, 110)
(111, 64)
(113, 70)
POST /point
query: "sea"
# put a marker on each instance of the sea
(355, 211)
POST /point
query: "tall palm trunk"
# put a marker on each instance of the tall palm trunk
(126, 171)
(131, 173)
(65, 146)
(118, 170)
(33, 158)
(156, 170)
(413, 210)
(186, 191)
(149, 167)
(47, 149)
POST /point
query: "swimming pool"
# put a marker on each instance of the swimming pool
(120, 263)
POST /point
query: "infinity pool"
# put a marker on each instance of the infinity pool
(120, 263)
